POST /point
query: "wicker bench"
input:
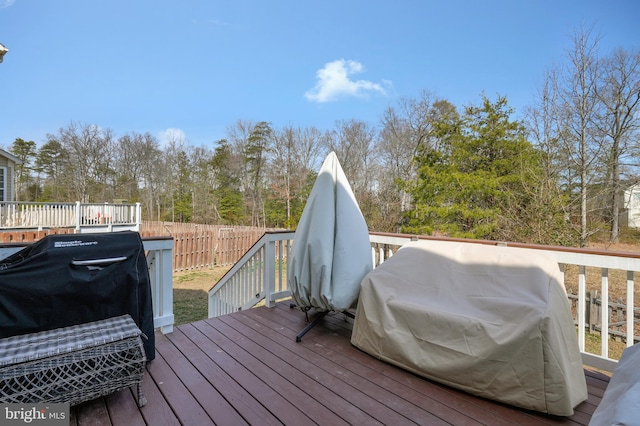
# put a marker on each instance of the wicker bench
(72, 364)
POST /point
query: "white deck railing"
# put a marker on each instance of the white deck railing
(83, 217)
(160, 258)
(159, 254)
(260, 275)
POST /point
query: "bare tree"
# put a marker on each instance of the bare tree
(549, 213)
(579, 109)
(151, 171)
(294, 159)
(405, 129)
(619, 93)
(238, 138)
(128, 165)
(353, 142)
(88, 155)
(203, 177)
(138, 164)
(545, 127)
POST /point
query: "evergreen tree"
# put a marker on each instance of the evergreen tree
(472, 183)
(229, 198)
(50, 162)
(256, 157)
(25, 151)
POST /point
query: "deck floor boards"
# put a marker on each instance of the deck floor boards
(246, 368)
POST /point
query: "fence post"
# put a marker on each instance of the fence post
(587, 310)
(593, 311)
(618, 320)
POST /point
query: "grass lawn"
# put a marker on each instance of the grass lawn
(190, 293)
(592, 344)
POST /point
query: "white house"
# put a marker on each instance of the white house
(8, 164)
(632, 205)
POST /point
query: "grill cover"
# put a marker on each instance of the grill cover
(331, 250)
(492, 321)
(620, 403)
(65, 280)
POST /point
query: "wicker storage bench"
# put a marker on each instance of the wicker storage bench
(72, 364)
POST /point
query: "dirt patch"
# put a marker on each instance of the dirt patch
(617, 247)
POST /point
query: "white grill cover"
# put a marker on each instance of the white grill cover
(620, 404)
(331, 251)
(492, 321)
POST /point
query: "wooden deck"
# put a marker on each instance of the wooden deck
(246, 368)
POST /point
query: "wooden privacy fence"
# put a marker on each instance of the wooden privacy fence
(31, 235)
(204, 246)
(194, 246)
(617, 316)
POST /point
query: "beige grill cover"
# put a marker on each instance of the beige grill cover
(492, 321)
(331, 251)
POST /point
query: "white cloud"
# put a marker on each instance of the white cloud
(334, 82)
(217, 22)
(172, 136)
(6, 3)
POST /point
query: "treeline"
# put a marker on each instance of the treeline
(555, 176)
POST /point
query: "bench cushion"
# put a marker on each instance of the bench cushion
(72, 364)
(44, 344)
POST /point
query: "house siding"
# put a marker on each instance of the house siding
(632, 205)
(7, 166)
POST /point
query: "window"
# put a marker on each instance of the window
(3, 184)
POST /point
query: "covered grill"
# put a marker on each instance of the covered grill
(65, 280)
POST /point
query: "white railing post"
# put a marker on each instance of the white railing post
(582, 299)
(269, 272)
(604, 314)
(23, 207)
(631, 313)
(159, 261)
(78, 217)
(167, 286)
(138, 216)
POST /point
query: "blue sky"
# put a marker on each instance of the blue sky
(195, 67)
